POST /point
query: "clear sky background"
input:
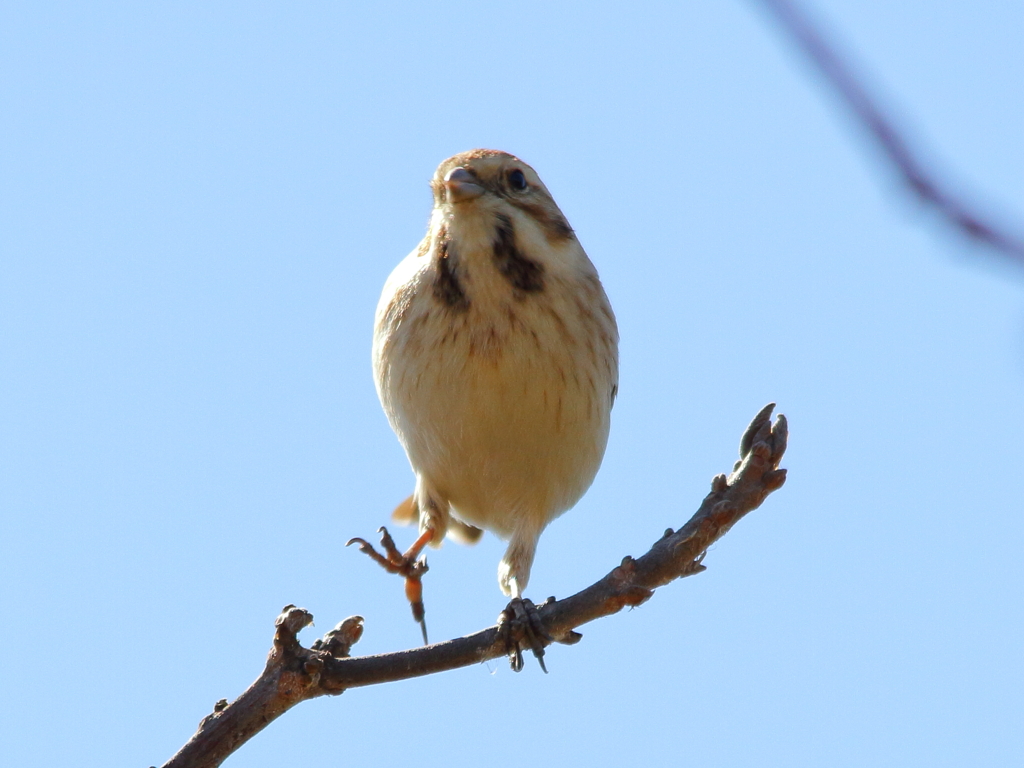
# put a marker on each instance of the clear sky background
(199, 204)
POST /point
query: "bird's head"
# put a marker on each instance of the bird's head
(483, 184)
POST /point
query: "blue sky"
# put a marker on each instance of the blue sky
(199, 204)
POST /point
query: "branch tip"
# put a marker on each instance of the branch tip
(758, 429)
(780, 437)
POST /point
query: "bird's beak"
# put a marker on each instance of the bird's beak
(462, 185)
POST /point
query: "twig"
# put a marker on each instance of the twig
(839, 75)
(294, 674)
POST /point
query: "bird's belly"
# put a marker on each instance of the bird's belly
(509, 435)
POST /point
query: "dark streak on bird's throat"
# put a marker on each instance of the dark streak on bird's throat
(447, 288)
(525, 274)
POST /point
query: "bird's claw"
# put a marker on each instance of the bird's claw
(520, 624)
(407, 564)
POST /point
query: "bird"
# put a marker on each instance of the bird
(495, 358)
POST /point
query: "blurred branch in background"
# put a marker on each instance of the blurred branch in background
(822, 51)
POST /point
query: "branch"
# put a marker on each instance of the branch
(294, 674)
(866, 110)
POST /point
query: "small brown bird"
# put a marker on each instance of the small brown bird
(495, 353)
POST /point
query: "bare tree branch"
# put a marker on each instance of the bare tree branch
(839, 75)
(294, 674)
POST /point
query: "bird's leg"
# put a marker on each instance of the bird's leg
(522, 617)
(408, 564)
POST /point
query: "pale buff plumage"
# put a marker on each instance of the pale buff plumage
(495, 355)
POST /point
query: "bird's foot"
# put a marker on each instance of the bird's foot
(408, 564)
(520, 625)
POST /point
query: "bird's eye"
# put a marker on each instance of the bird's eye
(517, 180)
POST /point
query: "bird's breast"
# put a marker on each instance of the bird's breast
(501, 397)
